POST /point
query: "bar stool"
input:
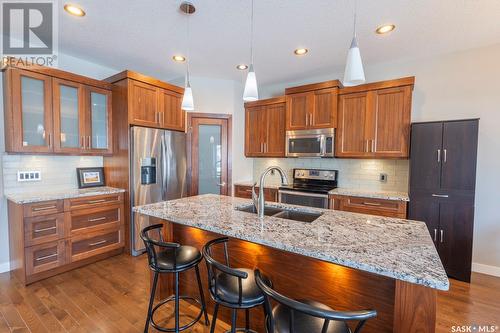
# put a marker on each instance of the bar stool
(171, 258)
(233, 288)
(291, 316)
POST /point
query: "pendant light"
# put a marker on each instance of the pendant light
(251, 93)
(354, 73)
(187, 99)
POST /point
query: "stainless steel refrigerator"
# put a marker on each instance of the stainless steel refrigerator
(159, 165)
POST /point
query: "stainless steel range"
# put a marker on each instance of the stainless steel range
(310, 187)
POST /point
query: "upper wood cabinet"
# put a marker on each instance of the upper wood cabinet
(265, 128)
(149, 102)
(51, 111)
(374, 120)
(312, 106)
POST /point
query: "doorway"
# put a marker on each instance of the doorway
(209, 153)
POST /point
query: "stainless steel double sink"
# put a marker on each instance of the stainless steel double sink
(288, 214)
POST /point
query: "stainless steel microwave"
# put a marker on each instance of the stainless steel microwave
(310, 143)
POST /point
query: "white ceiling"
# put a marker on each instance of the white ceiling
(143, 35)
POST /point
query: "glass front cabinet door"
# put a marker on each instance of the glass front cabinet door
(98, 120)
(31, 129)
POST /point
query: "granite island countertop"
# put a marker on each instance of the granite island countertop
(39, 196)
(396, 248)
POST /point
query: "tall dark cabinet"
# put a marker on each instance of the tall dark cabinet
(443, 159)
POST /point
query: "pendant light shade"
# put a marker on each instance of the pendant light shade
(187, 99)
(354, 73)
(251, 93)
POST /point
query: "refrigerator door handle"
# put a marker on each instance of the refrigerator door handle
(163, 167)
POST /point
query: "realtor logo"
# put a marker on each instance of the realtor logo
(29, 31)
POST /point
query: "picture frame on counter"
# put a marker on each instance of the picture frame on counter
(90, 177)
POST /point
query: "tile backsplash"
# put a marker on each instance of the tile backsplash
(57, 172)
(353, 173)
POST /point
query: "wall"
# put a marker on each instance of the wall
(456, 86)
(57, 172)
(354, 174)
(224, 96)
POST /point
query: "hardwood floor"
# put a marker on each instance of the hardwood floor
(112, 295)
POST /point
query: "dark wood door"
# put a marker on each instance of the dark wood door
(274, 141)
(143, 104)
(171, 115)
(209, 145)
(392, 122)
(455, 237)
(425, 208)
(299, 110)
(426, 156)
(254, 131)
(459, 155)
(351, 131)
(325, 109)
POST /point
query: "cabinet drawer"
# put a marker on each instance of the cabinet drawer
(96, 243)
(43, 208)
(87, 220)
(91, 202)
(47, 256)
(242, 191)
(381, 207)
(43, 229)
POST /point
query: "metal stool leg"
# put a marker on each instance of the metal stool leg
(247, 320)
(176, 302)
(202, 296)
(214, 318)
(151, 300)
(233, 321)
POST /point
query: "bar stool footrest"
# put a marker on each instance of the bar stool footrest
(241, 329)
(169, 299)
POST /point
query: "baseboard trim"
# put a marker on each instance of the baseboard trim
(486, 269)
(4, 267)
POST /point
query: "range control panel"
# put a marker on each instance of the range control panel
(315, 174)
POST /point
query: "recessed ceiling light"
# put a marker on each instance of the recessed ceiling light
(242, 67)
(384, 29)
(74, 10)
(300, 52)
(179, 58)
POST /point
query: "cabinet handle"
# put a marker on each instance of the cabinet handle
(98, 243)
(44, 229)
(311, 119)
(50, 140)
(439, 155)
(366, 148)
(435, 235)
(96, 201)
(82, 144)
(373, 146)
(163, 118)
(97, 219)
(307, 119)
(265, 147)
(37, 209)
(440, 195)
(46, 257)
(441, 235)
(445, 155)
(89, 143)
(372, 204)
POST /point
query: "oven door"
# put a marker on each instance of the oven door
(303, 198)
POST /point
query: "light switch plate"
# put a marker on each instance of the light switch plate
(29, 176)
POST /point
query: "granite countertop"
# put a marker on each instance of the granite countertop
(386, 195)
(250, 183)
(396, 248)
(31, 197)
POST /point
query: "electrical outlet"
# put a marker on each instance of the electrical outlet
(383, 177)
(29, 176)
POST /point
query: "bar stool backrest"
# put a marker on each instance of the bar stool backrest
(294, 306)
(216, 268)
(150, 243)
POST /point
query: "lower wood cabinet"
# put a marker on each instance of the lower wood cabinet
(244, 191)
(370, 206)
(47, 238)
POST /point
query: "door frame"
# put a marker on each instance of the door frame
(189, 142)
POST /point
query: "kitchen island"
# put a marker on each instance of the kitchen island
(348, 261)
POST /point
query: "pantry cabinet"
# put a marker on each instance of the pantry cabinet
(265, 128)
(312, 106)
(56, 112)
(374, 120)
